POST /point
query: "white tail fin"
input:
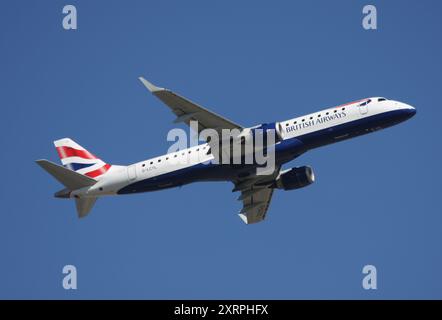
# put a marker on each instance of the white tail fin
(78, 159)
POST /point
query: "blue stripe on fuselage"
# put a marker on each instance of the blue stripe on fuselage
(285, 151)
(354, 128)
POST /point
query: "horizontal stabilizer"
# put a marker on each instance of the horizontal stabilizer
(70, 179)
(84, 205)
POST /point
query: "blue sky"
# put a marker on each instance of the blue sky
(375, 200)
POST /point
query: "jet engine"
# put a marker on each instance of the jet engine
(263, 129)
(249, 141)
(295, 178)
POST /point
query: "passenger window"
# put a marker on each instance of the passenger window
(159, 160)
(295, 122)
(319, 115)
(327, 113)
(151, 162)
(343, 109)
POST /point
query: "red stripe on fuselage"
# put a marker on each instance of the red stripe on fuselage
(66, 152)
(99, 171)
(346, 104)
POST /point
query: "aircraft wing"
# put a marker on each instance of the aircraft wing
(256, 195)
(255, 206)
(186, 110)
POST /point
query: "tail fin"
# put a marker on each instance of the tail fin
(72, 181)
(78, 159)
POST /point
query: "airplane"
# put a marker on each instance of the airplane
(86, 177)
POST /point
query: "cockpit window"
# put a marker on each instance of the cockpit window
(381, 99)
(365, 103)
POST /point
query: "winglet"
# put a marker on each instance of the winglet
(151, 87)
(243, 218)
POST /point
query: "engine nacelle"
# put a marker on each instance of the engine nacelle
(295, 178)
(263, 130)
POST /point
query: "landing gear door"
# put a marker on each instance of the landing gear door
(132, 172)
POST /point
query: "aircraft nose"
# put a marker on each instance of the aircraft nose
(407, 110)
(410, 110)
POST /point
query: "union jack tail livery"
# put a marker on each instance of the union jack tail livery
(87, 178)
(78, 159)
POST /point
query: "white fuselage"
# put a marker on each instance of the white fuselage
(315, 129)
